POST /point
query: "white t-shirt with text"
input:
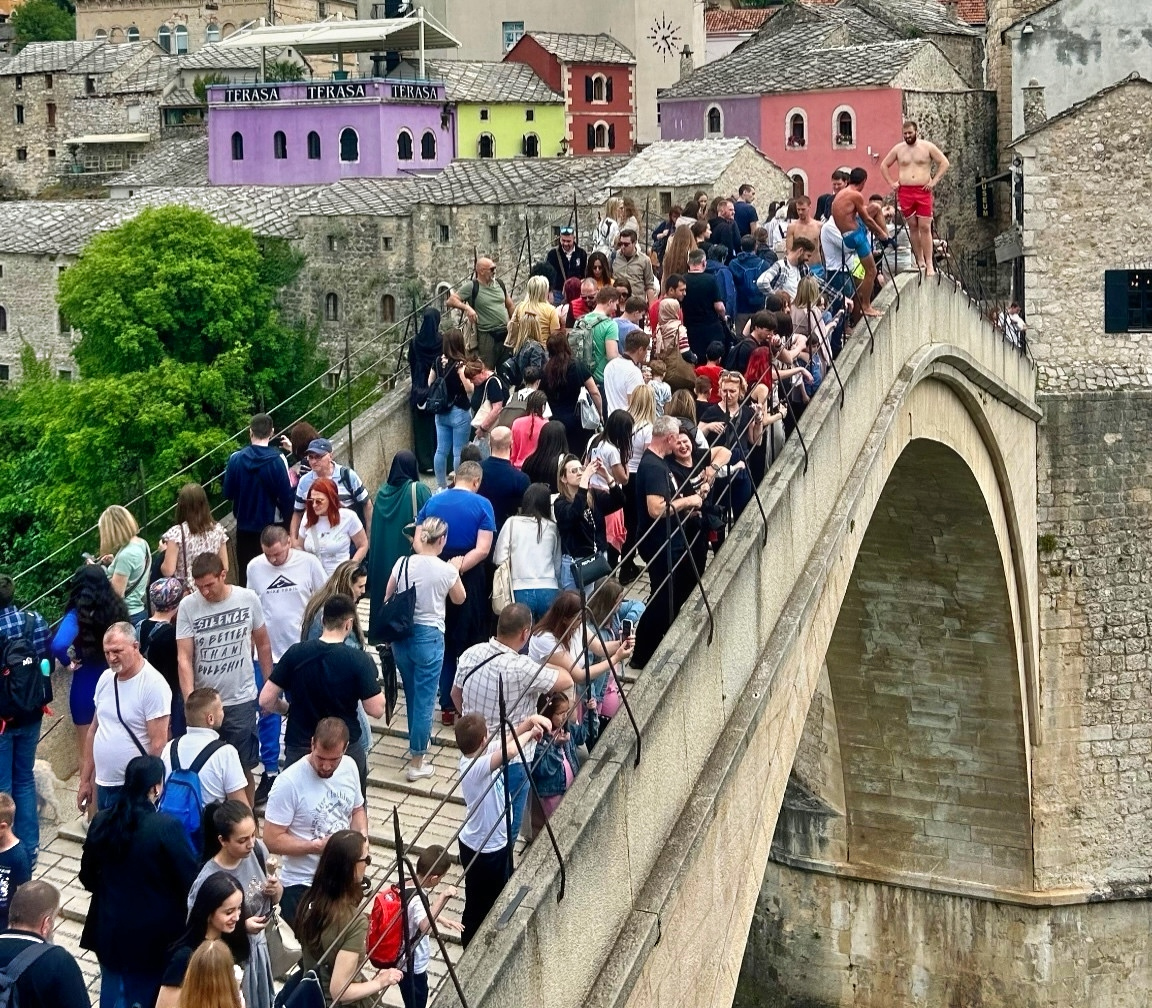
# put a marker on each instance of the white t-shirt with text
(221, 635)
(284, 592)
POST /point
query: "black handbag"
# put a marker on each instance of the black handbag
(587, 570)
(398, 614)
(388, 680)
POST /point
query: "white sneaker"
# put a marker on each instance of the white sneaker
(419, 773)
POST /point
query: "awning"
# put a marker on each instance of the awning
(419, 32)
(108, 138)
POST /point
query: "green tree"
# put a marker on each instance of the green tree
(201, 82)
(283, 70)
(41, 21)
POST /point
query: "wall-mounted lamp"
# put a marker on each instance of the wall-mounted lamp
(1027, 29)
(563, 146)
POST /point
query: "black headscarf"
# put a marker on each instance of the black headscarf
(403, 469)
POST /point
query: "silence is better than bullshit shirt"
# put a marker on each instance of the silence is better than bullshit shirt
(221, 635)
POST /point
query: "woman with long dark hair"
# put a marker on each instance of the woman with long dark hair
(581, 512)
(138, 865)
(422, 354)
(453, 427)
(195, 532)
(217, 914)
(563, 380)
(333, 933)
(540, 466)
(92, 607)
(599, 270)
(532, 541)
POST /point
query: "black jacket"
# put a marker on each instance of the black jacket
(256, 482)
(139, 894)
(52, 981)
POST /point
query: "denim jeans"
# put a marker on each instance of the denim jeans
(106, 796)
(418, 660)
(128, 990)
(17, 754)
(536, 599)
(516, 784)
(268, 728)
(452, 432)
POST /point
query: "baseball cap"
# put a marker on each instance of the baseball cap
(319, 446)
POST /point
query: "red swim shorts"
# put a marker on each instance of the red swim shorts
(915, 201)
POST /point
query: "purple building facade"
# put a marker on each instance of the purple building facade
(305, 133)
(688, 118)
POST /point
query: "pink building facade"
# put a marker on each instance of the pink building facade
(306, 133)
(809, 134)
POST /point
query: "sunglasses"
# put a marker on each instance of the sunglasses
(366, 860)
(730, 374)
(567, 231)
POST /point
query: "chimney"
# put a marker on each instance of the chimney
(686, 64)
(1034, 113)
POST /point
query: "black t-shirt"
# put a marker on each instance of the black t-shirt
(699, 304)
(653, 479)
(741, 354)
(158, 645)
(177, 966)
(503, 486)
(562, 398)
(52, 981)
(452, 373)
(14, 871)
(323, 680)
(737, 429)
(492, 389)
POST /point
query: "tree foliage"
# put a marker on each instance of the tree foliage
(201, 83)
(283, 70)
(41, 21)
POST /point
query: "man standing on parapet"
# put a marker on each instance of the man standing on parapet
(914, 189)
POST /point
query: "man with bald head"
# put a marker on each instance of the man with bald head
(503, 484)
(486, 304)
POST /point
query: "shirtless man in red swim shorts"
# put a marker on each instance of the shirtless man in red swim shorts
(914, 189)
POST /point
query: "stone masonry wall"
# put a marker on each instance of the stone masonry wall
(822, 941)
(1091, 785)
(28, 295)
(998, 61)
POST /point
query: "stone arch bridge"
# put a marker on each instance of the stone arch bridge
(874, 642)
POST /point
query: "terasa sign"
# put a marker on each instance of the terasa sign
(252, 94)
(327, 92)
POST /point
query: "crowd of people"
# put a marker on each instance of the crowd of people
(612, 424)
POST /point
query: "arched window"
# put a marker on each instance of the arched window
(100, 33)
(531, 145)
(844, 127)
(597, 88)
(715, 121)
(313, 146)
(3, 319)
(279, 145)
(227, 29)
(602, 136)
(349, 145)
(181, 34)
(133, 33)
(164, 38)
(331, 307)
(799, 182)
(212, 32)
(404, 146)
(237, 147)
(797, 129)
(387, 308)
(428, 146)
(487, 145)
(116, 36)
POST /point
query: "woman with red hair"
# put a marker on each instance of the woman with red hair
(329, 531)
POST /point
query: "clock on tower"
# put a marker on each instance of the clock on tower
(664, 36)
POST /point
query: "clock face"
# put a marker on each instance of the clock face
(664, 36)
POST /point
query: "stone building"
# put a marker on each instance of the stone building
(503, 109)
(79, 108)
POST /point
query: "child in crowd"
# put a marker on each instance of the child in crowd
(526, 429)
(703, 391)
(556, 761)
(484, 839)
(712, 370)
(815, 365)
(15, 868)
(532, 377)
(654, 374)
(430, 871)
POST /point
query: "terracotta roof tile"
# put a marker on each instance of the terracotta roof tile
(723, 22)
(973, 11)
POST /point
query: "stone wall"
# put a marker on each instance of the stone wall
(46, 157)
(963, 125)
(28, 296)
(822, 941)
(1093, 806)
(998, 62)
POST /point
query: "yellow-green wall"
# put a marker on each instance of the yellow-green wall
(507, 125)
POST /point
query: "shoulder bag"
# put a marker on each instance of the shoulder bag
(502, 594)
(589, 414)
(398, 613)
(120, 717)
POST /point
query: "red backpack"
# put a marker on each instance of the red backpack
(385, 928)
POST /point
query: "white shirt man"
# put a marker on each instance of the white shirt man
(284, 579)
(221, 777)
(312, 799)
(622, 374)
(133, 705)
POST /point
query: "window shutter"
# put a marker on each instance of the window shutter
(1115, 301)
(611, 137)
(591, 137)
(587, 88)
(608, 89)
(524, 145)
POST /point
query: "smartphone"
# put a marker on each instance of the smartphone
(627, 629)
(89, 557)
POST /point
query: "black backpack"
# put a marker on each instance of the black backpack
(10, 974)
(21, 684)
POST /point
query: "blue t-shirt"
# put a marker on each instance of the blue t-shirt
(503, 487)
(14, 871)
(746, 217)
(466, 513)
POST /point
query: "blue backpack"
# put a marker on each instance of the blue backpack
(182, 798)
(746, 268)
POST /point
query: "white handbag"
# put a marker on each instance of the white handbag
(589, 414)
